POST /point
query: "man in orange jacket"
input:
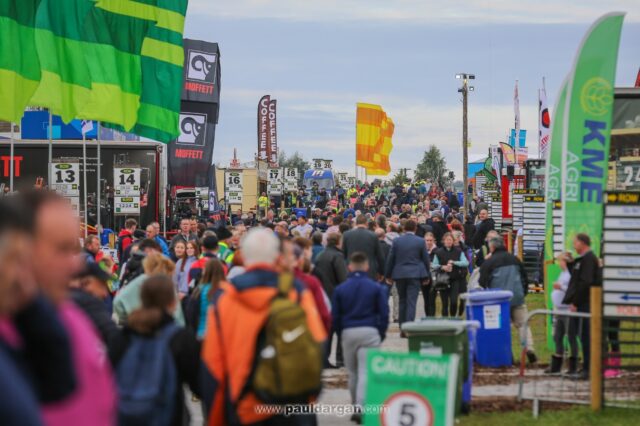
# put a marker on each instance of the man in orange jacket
(230, 343)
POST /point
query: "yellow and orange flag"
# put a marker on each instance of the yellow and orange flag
(374, 131)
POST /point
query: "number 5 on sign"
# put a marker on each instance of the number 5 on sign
(411, 389)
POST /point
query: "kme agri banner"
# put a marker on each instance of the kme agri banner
(588, 129)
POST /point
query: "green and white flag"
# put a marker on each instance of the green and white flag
(555, 174)
(588, 129)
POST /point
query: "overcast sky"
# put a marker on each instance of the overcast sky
(318, 58)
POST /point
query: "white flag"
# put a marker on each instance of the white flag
(516, 111)
(544, 122)
(87, 126)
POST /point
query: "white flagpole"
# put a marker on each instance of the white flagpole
(98, 221)
(49, 177)
(540, 119)
(84, 182)
(11, 159)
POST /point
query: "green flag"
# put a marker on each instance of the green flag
(588, 129)
(162, 62)
(19, 64)
(116, 61)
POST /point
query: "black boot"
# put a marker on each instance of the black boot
(555, 366)
(573, 366)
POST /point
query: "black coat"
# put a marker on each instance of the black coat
(365, 241)
(186, 354)
(330, 269)
(585, 273)
(482, 229)
(97, 312)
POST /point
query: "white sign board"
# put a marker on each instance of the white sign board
(534, 213)
(126, 205)
(233, 181)
(66, 179)
(621, 274)
(274, 186)
(290, 179)
(126, 181)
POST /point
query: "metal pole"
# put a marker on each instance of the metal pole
(49, 177)
(84, 183)
(11, 159)
(595, 361)
(99, 210)
(465, 158)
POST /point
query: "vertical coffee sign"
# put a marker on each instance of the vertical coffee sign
(263, 127)
(267, 130)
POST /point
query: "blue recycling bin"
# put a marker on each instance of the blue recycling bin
(104, 237)
(472, 327)
(491, 309)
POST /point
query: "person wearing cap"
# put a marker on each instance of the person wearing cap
(90, 292)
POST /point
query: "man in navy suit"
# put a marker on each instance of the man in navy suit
(408, 266)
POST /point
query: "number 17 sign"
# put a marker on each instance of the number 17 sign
(409, 389)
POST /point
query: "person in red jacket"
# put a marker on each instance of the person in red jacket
(302, 268)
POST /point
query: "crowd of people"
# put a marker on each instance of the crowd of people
(242, 314)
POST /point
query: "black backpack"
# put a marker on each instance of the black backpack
(120, 247)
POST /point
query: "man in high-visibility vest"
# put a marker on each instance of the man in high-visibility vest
(263, 204)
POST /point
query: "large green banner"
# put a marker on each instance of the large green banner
(413, 389)
(588, 130)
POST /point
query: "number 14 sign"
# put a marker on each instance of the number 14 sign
(126, 181)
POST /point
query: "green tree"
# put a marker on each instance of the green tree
(295, 161)
(399, 178)
(433, 167)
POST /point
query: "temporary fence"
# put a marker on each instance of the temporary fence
(620, 361)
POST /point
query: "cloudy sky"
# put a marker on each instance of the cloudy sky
(319, 58)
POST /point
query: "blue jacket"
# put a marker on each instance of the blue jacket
(163, 245)
(360, 302)
(408, 258)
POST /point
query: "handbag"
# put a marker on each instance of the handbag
(442, 281)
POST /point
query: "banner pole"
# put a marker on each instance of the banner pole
(11, 159)
(50, 149)
(99, 210)
(84, 183)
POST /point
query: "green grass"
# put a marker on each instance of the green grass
(538, 329)
(580, 416)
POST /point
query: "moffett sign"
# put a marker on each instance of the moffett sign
(193, 129)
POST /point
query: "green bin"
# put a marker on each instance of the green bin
(436, 337)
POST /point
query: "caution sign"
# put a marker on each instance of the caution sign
(414, 389)
(621, 254)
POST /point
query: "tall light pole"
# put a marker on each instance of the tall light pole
(465, 89)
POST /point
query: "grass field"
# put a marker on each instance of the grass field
(538, 329)
(581, 416)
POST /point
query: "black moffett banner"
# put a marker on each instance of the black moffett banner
(190, 162)
(202, 73)
(190, 156)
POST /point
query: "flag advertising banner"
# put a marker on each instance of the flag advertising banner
(495, 164)
(553, 184)
(374, 133)
(272, 147)
(588, 116)
(638, 79)
(201, 72)
(110, 61)
(508, 153)
(190, 155)
(87, 126)
(263, 128)
(516, 108)
(544, 122)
